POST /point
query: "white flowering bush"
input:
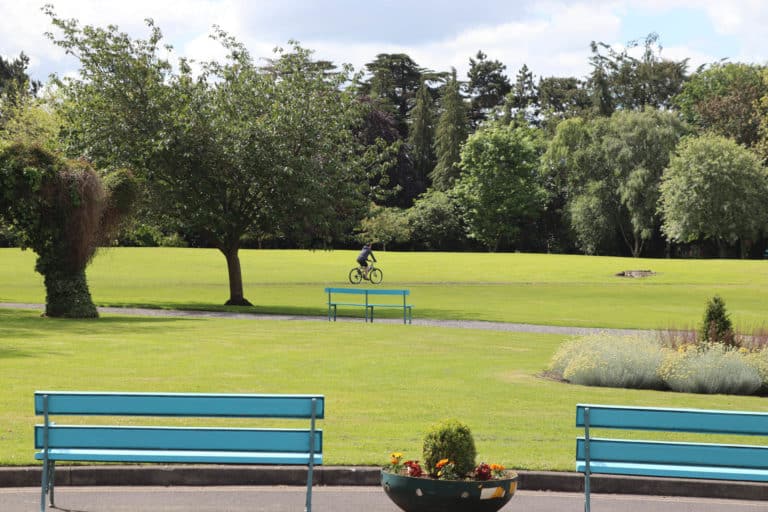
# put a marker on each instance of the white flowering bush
(607, 360)
(651, 362)
(711, 368)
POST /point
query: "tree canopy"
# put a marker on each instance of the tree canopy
(713, 189)
(231, 151)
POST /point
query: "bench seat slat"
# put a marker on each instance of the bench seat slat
(180, 456)
(173, 438)
(674, 453)
(675, 471)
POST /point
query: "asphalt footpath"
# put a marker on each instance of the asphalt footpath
(346, 489)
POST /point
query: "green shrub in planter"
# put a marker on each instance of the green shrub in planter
(450, 440)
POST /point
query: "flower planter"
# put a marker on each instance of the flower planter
(430, 495)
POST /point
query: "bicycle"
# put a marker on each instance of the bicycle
(375, 275)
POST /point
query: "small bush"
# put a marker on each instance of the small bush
(606, 360)
(450, 440)
(716, 326)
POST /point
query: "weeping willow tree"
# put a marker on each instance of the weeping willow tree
(63, 210)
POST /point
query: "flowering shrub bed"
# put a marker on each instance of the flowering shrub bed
(663, 362)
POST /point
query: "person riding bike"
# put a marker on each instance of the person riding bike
(362, 259)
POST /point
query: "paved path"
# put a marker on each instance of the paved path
(457, 324)
(330, 499)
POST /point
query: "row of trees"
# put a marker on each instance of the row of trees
(298, 152)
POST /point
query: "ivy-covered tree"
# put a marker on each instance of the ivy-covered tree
(452, 130)
(238, 150)
(63, 210)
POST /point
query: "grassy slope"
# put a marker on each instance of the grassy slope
(542, 289)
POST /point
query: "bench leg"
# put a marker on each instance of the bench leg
(49, 469)
(586, 493)
(52, 484)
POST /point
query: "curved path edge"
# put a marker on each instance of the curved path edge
(456, 324)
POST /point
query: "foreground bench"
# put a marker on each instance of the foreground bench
(166, 445)
(366, 297)
(670, 459)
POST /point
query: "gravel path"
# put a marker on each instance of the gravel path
(455, 324)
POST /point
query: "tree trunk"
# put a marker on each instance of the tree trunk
(236, 297)
(68, 296)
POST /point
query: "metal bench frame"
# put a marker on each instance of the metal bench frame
(206, 445)
(369, 306)
(670, 459)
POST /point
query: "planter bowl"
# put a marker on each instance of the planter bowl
(429, 495)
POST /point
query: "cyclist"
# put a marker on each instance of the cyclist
(362, 259)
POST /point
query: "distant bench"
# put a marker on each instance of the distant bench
(195, 445)
(365, 300)
(670, 459)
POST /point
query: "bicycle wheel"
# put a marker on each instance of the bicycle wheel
(355, 276)
(376, 275)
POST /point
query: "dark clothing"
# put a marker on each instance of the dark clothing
(362, 258)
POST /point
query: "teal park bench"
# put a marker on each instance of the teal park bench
(170, 445)
(670, 459)
(366, 297)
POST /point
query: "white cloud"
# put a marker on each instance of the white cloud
(551, 36)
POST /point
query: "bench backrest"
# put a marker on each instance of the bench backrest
(73, 403)
(678, 459)
(673, 420)
(367, 291)
(268, 440)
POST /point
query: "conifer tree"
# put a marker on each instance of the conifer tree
(450, 134)
(422, 134)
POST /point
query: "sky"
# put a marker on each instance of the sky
(551, 37)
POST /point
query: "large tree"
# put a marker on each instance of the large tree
(487, 86)
(725, 99)
(394, 81)
(621, 80)
(451, 132)
(63, 210)
(609, 170)
(713, 189)
(235, 150)
(422, 135)
(500, 186)
(15, 83)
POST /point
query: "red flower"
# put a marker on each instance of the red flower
(483, 472)
(412, 468)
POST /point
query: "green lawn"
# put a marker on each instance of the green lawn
(531, 288)
(384, 383)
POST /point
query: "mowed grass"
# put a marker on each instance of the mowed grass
(384, 383)
(564, 290)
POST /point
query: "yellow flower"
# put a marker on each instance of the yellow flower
(497, 467)
(395, 458)
(441, 463)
